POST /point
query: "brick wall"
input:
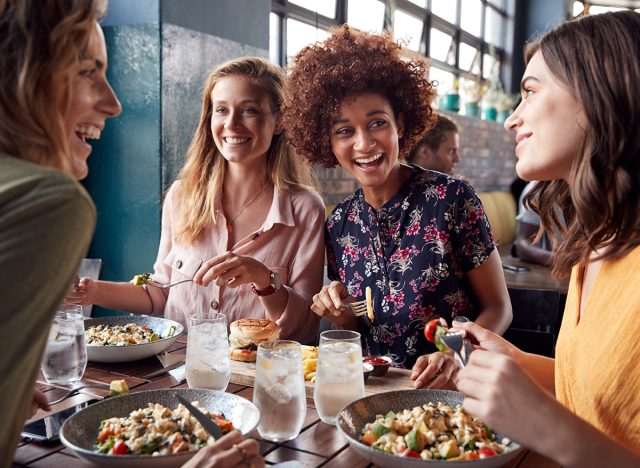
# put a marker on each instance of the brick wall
(487, 160)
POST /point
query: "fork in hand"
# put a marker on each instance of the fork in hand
(459, 344)
(359, 308)
(164, 286)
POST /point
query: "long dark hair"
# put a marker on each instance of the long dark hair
(598, 60)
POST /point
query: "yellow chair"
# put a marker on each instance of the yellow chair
(501, 210)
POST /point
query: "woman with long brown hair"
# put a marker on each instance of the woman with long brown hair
(54, 95)
(242, 220)
(577, 131)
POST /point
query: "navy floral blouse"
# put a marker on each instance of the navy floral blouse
(413, 253)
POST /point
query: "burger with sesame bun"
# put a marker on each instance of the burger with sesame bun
(246, 334)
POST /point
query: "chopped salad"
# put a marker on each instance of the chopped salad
(157, 430)
(119, 335)
(433, 432)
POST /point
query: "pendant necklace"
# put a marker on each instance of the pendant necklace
(246, 205)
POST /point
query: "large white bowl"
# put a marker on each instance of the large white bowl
(159, 325)
(80, 431)
(352, 419)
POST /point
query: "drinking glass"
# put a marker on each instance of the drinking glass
(279, 390)
(65, 356)
(339, 373)
(207, 361)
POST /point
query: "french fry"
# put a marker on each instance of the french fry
(309, 362)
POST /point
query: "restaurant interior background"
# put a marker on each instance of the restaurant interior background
(160, 52)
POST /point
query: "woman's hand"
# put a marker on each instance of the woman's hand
(330, 302)
(503, 395)
(38, 400)
(229, 451)
(233, 270)
(435, 370)
(83, 294)
(485, 339)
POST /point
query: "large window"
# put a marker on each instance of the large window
(465, 39)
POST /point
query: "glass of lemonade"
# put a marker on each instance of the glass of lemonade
(339, 374)
(279, 390)
(65, 356)
(207, 361)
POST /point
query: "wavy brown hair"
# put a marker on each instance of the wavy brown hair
(596, 57)
(349, 63)
(41, 42)
(203, 173)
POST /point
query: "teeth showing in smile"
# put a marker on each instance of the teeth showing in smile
(235, 141)
(369, 160)
(88, 132)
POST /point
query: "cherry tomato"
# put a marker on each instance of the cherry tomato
(119, 448)
(486, 452)
(430, 328)
(410, 454)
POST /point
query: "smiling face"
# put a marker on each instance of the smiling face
(242, 121)
(92, 103)
(549, 125)
(364, 139)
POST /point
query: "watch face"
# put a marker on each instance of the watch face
(275, 281)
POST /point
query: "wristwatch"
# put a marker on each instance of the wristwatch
(274, 286)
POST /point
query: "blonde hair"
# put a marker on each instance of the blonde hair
(41, 43)
(203, 173)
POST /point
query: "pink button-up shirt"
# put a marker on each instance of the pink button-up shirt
(290, 242)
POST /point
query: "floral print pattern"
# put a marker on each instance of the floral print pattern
(413, 252)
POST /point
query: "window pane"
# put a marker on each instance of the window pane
(444, 79)
(421, 3)
(445, 9)
(471, 11)
(366, 15)
(595, 9)
(498, 3)
(407, 28)
(439, 45)
(493, 27)
(274, 35)
(325, 7)
(577, 8)
(469, 58)
(490, 67)
(301, 34)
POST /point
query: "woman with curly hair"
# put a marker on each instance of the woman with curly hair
(577, 130)
(419, 239)
(236, 218)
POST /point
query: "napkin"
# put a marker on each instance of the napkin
(179, 373)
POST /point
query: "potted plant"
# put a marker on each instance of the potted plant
(489, 100)
(451, 99)
(504, 105)
(471, 94)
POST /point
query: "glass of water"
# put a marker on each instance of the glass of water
(279, 390)
(339, 373)
(65, 356)
(207, 361)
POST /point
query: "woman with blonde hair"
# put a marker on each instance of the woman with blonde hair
(242, 220)
(54, 95)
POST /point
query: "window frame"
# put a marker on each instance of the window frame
(285, 10)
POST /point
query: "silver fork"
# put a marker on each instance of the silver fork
(456, 342)
(164, 286)
(359, 308)
(76, 390)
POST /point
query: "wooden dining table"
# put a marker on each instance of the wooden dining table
(318, 444)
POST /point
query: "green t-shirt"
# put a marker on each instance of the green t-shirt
(46, 223)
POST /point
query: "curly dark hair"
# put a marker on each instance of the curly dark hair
(349, 63)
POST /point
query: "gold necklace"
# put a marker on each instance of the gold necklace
(246, 205)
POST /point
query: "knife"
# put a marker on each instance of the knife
(209, 425)
(163, 370)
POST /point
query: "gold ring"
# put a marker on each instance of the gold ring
(243, 452)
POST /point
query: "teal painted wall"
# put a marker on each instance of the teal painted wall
(124, 176)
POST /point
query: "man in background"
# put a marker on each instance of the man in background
(438, 150)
